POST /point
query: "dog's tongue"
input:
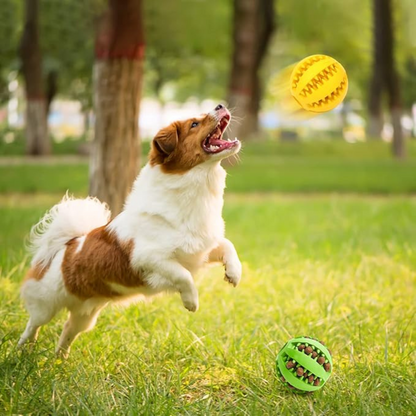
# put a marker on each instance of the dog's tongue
(216, 141)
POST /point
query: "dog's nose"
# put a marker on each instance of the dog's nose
(218, 107)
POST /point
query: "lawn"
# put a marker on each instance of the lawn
(266, 167)
(339, 267)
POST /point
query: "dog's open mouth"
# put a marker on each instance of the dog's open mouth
(214, 143)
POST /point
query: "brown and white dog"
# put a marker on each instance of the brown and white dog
(170, 226)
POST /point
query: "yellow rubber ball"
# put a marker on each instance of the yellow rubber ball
(319, 83)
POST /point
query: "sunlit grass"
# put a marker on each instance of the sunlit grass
(339, 268)
(334, 166)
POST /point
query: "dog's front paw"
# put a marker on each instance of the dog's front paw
(191, 303)
(191, 306)
(233, 272)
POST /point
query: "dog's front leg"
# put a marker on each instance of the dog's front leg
(226, 253)
(178, 278)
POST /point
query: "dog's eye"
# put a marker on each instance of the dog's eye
(194, 124)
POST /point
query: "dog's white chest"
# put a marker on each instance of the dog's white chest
(174, 215)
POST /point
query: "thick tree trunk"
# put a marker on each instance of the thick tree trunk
(385, 77)
(37, 142)
(116, 147)
(118, 71)
(253, 28)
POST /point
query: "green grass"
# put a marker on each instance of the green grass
(340, 268)
(44, 178)
(333, 166)
(266, 167)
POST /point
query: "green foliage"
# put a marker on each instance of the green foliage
(408, 82)
(189, 44)
(405, 35)
(66, 34)
(335, 28)
(10, 26)
(188, 48)
(67, 39)
(343, 30)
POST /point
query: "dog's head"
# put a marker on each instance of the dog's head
(186, 144)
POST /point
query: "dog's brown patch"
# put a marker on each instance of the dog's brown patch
(178, 147)
(36, 272)
(102, 259)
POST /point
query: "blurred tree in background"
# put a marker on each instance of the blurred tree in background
(405, 48)
(253, 27)
(67, 41)
(66, 38)
(385, 77)
(118, 72)
(10, 30)
(198, 49)
(37, 142)
(184, 57)
(335, 28)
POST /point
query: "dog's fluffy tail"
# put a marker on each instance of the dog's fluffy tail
(69, 219)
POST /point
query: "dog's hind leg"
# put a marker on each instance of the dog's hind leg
(75, 324)
(36, 320)
(30, 334)
(40, 311)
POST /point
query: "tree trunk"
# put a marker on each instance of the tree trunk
(37, 142)
(51, 89)
(375, 112)
(253, 28)
(118, 70)
(392, 78)
(86, 124)
(385, 77)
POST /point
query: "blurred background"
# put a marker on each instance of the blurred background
(322, 211)
(120, 70)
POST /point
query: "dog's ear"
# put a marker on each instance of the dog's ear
(166, 140)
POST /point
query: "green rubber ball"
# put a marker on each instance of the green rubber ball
(304, 364)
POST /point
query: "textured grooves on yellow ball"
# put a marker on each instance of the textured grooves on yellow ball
(319, 83)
